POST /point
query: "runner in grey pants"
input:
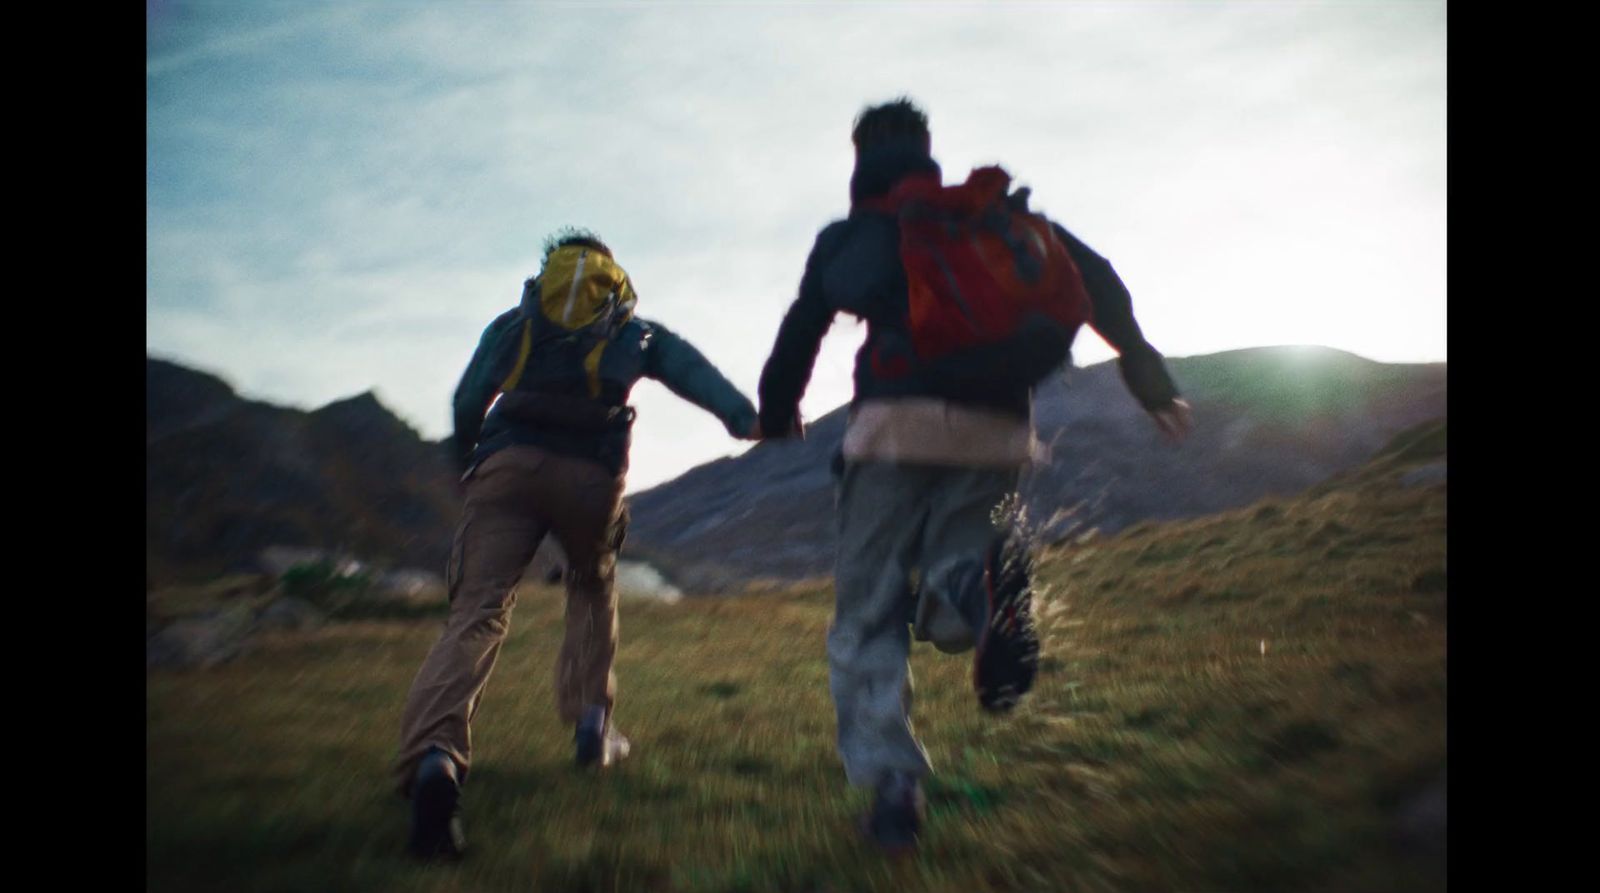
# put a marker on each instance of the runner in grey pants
(892, 519)
(933, 445)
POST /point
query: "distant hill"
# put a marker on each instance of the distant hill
(1269, 421)
(226, 477)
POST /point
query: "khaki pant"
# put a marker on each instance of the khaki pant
(513, 499)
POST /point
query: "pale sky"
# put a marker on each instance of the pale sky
(341, 195)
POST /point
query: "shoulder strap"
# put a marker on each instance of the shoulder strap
(524, 349)
(591, 340)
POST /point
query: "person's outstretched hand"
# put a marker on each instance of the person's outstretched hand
(797, 431)
(1175, 420)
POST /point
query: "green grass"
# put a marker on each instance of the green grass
(1161, 749)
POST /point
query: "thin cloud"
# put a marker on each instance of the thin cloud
(238, 41)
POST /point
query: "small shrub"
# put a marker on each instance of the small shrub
(321, 584)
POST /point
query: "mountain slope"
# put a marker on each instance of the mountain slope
(226, 477)
(1254, 700)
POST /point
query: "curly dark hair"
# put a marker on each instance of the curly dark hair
(896, 118)
(573, 235)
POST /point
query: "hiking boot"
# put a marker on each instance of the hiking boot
(896, 817)
(598, 742)
(1007, 656)
(435, 809)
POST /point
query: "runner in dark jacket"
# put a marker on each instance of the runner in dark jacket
(854, 267)
(931, 450)
(551, 458)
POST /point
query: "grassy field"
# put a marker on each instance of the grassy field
(1241, 702)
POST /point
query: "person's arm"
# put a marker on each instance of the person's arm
(479, 384)
(794, 352)
(686, 372)
(1142, 366)
(1144, 371)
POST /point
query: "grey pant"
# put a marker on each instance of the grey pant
(911, 546)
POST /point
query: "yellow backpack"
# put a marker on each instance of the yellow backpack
(582, 297)
(581, 286)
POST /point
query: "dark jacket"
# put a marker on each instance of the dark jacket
(855, 268)
(550, 405)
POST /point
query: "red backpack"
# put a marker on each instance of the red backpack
(978, 262)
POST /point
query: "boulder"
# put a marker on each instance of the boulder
(203, 640)
(289, 613)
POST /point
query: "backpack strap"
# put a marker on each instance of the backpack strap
(591, 339)
(591, 362)
(524, 349)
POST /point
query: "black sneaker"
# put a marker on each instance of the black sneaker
(598, 742)
(435, 809)
(1008, 647)
(896, 817)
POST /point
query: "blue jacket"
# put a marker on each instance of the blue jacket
(586, 427)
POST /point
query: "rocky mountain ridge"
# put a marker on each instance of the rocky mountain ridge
(228, 477)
